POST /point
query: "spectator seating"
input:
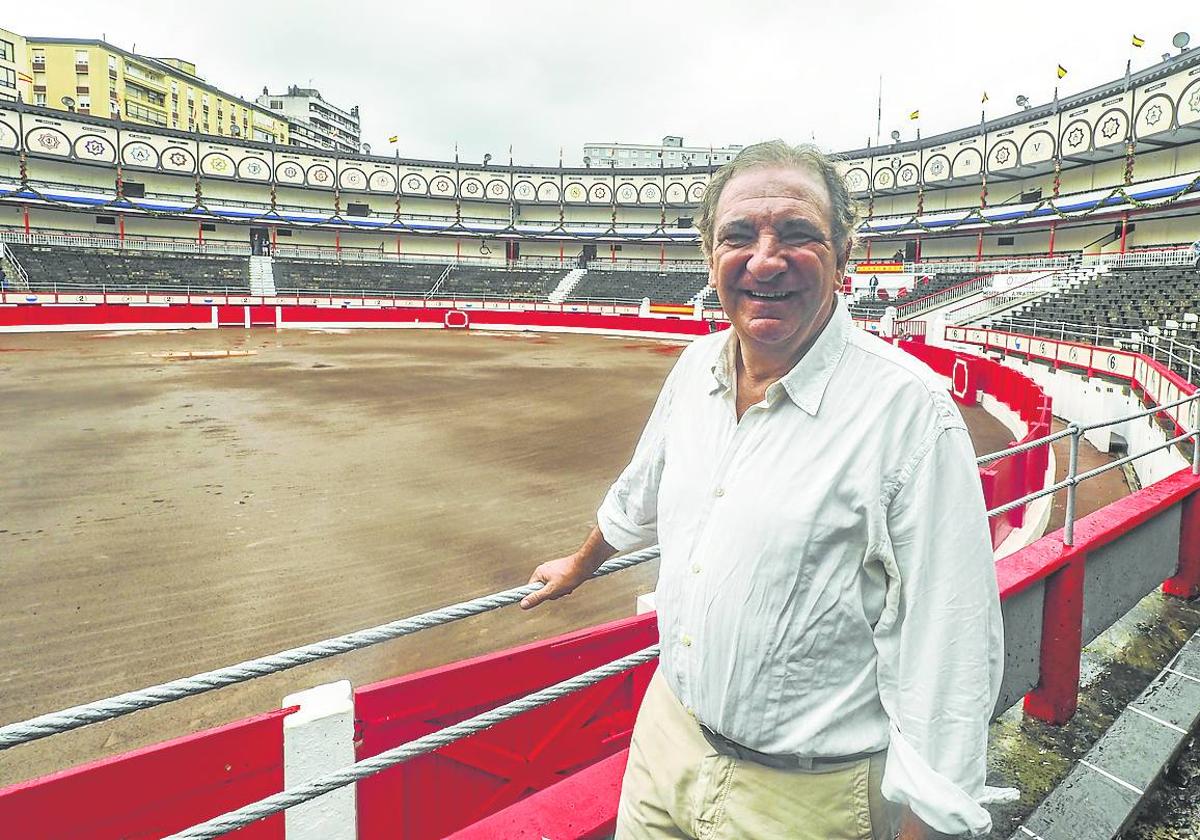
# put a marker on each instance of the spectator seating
(632, 286)
(411, 279)
(483, 281)
(872, 306)
(1133, 298)
(50, 267)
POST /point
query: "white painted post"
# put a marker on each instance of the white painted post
(318, 739)
(645, 603)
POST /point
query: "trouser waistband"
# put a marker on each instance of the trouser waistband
(733, 749)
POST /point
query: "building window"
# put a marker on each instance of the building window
(85, 104)
(277, 104)
(39, 99)
(39, 59)
(8, 77)
(112, 62)
(7, 52)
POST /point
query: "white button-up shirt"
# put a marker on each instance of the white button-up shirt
(827, 583)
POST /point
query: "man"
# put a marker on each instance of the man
(827, 605)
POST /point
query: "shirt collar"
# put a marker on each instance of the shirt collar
(806, 382)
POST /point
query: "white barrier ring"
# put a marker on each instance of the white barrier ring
(960, 391)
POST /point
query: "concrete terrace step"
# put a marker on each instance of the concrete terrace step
(1103, 793)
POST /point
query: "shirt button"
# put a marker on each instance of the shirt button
(686, 640)
(719, 492)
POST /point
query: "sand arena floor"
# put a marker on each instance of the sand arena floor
(161, 517)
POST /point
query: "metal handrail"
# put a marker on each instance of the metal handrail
(1074, 478)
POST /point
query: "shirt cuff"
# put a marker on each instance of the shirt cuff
(908, 780)
(619, 531)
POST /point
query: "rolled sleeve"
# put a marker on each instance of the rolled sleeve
(940, 641)
(628, 516)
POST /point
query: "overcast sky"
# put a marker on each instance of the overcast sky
(545, 75)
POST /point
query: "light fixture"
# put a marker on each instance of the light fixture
(366, 148)
(1181, 40)
(1023, 101)
(895, 136)
(487, 158)
(68, 103)
(587, 162)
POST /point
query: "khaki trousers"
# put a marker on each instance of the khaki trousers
(677, 786)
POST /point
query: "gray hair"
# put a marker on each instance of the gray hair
(776, 154)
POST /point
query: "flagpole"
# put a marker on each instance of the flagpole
(879, 110)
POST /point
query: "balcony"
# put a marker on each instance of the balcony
(145, 76)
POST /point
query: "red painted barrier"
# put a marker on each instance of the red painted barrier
(105, 316)
(158, 790)
(1014, 476)
(494, 769)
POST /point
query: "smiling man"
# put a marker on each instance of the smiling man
(827, 605)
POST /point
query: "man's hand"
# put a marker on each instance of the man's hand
(561, 577)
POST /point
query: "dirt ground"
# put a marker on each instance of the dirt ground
(159, 518)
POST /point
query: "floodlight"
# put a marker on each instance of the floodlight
(1023, 101)
(895, 136)
(366, 148)
(487, 158)
(1181, 40)
(68, 103)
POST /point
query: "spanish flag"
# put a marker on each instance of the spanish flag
(1139, 42)
(1062, 71)
(395, 138)
(915, 115)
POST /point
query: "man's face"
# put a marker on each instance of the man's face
(774, 263)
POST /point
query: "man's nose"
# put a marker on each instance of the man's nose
(767, 260)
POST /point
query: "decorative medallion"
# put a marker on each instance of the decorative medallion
(883, 177)
(320, 175)
(471, 188)
(49, 141)
(855, 180)
(220, 164)
(1075, 137)
(1194, 101)
(1003, 154)
(496, 188)
(575, 192)
(937, 167)
(254, 167)
(94, 147)
(413, 184)
(290, 171)
(600, 192)
(906, 175)
(626, 193)
(442, 185)
(1110, 127)
(177, 159)
(1153, 114)
(697, 192)
(525, 190)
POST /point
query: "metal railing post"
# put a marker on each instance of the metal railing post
(1072, 469)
